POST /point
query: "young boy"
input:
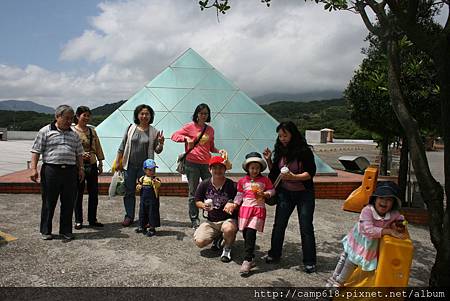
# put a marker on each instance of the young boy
(148, 185)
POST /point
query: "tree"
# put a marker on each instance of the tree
(411, 16)
(368, 97)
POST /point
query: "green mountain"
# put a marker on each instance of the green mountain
(312, 115)
(318, 114)
(24, 105)
(297, 97)
(108, 108)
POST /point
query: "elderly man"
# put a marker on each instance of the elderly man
(215, 196)
(62, 159)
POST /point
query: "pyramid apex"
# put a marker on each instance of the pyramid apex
(190, 59)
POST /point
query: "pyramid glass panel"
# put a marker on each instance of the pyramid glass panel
(227, 129)
(144, 96)
(169, 155)
(110, 147)
(241, 103)
(169, 97)
(245, 123)
(189, 77)
(189, 102)
(216, 99)
(190, 59)
(241, 126)
(323, 168)
(215, 81)
(169, 124)
(183, 117)
(166, 79)
(230, 146)
(129, 115)
(114, 126)
(267, 128)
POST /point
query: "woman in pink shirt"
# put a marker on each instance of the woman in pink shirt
(198, 158)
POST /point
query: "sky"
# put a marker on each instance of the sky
(92, 52)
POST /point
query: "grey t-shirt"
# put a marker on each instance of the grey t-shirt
(139, 147)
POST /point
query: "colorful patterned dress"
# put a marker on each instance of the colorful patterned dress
(252, 212)
(361, 243)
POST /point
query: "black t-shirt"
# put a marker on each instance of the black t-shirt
(220, 197)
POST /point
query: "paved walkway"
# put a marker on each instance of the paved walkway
(14, 155)
(116, 256)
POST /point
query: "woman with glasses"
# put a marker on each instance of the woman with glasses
(198, 137)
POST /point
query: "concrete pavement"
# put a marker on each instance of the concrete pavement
(116, 256)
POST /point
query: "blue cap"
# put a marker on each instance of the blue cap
(149, 164)
(387, 189)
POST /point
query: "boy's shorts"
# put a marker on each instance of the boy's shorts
(211, 230)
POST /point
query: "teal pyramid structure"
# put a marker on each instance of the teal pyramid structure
(241, 126)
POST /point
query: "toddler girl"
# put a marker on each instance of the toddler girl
(380, 217)
(252, 189)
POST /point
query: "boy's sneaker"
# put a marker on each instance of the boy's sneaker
(270, 259)
(226, 255)
(139, 230)
(67, 236)
(46, 236)
(309, 268)
(151, 233)
(78, 226)
(246, 267)
(217, 243)
(195, 224)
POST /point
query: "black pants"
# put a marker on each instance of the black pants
(58, 182)
(249, 243)
(305, 203)
(149, 212)
(92, 187)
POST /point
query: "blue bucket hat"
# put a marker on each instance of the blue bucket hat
(149, 164)
(387, 189)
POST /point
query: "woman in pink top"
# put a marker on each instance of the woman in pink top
(197, 160)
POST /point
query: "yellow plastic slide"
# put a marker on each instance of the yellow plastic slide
(394, 263)
(360, 196)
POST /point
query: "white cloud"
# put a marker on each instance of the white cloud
(290, 47)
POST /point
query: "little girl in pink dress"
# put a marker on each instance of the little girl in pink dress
(252, 190)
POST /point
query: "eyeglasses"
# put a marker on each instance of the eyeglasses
(201, 113)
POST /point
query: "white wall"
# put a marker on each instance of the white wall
(21, 135)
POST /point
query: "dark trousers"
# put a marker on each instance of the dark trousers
(131, 175)
(249, 243)
(92, 187)
(57, 182)
(149, 212)
(194, 172)
(305, 203)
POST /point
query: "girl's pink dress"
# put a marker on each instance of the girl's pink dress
(252, 213)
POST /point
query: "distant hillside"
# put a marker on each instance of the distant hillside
(108, 108)
(318, 114)
(298, 97)
(24, 105)
(24, 120)
(312, 115)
